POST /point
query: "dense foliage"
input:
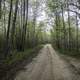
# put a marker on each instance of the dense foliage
(19, 28)
(66, 32)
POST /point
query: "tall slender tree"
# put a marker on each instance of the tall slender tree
(77, 32)
(4, 19)
(14, 24)
(69, 43)
(25, 18)
(0, 8)
(7, 47)
(64, 31)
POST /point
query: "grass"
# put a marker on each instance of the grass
(19, 56)
(16, 62)
(71, 53)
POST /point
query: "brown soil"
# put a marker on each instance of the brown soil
(48, 65)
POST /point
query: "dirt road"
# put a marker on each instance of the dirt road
(48, 65)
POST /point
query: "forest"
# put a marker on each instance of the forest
(27, 25)
(66, 28)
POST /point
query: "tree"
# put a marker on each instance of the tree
(7, 46)
(0, 8)
(14, 24)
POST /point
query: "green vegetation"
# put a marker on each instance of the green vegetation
(23, 27)
(66, 28)
(21, 34)
(19, 28)
(21, 56)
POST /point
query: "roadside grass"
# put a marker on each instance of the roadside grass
(17, 62)
(72, 53)
(19, 56)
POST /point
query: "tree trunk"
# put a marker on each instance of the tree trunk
(0, 8)
(77, 34)
(7, 47)
(69, 40)
(14, 25)
(63, 27)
